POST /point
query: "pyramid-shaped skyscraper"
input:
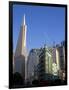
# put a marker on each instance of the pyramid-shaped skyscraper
(20, 57)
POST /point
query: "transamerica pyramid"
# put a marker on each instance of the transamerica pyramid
(20, 57)
(21, 43)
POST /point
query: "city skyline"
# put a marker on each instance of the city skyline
(42, 23)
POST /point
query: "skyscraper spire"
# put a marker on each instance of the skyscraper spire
(24, 20)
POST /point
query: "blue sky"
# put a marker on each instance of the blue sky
(44, 25)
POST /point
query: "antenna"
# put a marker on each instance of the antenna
(24, 20)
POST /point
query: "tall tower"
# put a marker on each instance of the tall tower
(20, 52)
(21, 43)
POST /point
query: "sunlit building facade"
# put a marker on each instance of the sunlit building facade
(61, 51)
